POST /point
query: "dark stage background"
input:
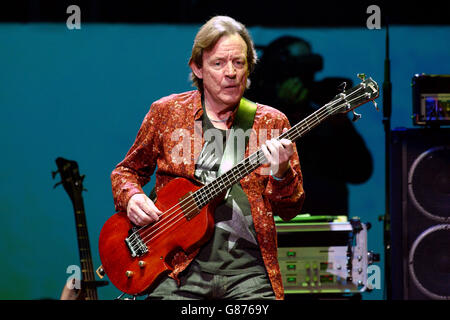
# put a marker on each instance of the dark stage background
(82, 94)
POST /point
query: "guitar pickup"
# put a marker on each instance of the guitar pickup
(189, 206)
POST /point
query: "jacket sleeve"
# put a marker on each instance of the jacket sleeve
(135, 170)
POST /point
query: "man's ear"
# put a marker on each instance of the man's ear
(198, 71)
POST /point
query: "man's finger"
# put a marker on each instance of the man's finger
(141, 217)
(266, 152)
(153, 207)
(146, 209)
(287, 144)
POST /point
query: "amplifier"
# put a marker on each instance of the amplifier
(323, 257)
(431, 99)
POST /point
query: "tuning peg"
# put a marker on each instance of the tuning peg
(341, 87)
(362, 76)
(57, 184)
(375, 105)
(356, 116)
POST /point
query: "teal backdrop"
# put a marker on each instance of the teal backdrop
(82, 94)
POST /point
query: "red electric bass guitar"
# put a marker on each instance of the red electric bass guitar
(134, 257)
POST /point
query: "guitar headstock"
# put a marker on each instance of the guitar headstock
(70, 176)
(352, 98)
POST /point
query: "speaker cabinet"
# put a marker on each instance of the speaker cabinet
(420, 214)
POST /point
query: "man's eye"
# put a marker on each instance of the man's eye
(239, 63)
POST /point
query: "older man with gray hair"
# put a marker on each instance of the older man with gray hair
(239, 259)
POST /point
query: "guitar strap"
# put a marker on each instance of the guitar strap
(234, 148)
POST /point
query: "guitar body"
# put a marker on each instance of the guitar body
(133, 275)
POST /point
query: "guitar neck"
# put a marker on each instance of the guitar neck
(344, 102)
(84, 248)
(205, 194)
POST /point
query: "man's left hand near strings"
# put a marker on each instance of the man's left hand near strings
(278, 154)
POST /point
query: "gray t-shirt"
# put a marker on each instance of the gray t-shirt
(233, 246)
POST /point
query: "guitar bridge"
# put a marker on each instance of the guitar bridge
(135, 244)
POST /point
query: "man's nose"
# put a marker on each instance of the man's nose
(230, 70)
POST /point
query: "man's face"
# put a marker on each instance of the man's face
(224, 72)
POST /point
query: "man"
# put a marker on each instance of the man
(240, 259)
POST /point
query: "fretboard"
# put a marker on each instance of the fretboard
(84, 248)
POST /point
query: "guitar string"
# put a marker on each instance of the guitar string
(91, 292)
(295, 128)
(325, 108)
(87, 266)
(191, 201)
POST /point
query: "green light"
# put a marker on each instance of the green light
(291, 266)
(291, 253)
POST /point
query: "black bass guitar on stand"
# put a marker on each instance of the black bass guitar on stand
(73, 184)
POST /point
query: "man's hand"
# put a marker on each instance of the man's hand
(141, 210)
(70, 292)
(278, 154)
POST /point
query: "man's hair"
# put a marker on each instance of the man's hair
(210, 33)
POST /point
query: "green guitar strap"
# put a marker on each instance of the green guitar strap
(235, 147)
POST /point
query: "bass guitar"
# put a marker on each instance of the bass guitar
(73, 184)
(134, 257)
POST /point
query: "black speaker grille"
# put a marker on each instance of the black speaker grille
(429, 262)
(429, 183)
(419, 254)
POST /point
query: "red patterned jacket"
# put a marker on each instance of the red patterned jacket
(154, 147)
